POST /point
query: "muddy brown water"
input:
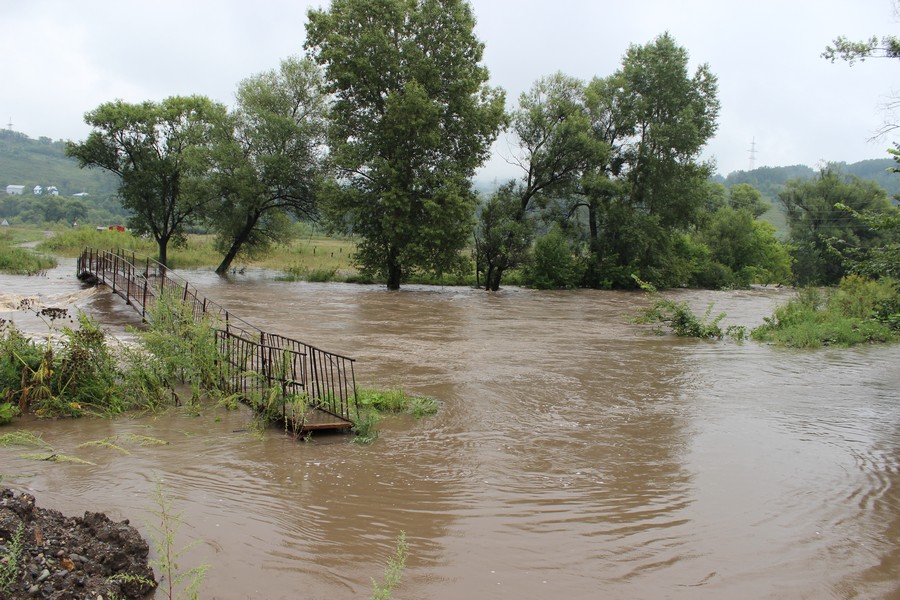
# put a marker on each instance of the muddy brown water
(574, 456)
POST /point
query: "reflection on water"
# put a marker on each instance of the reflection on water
(575, 455)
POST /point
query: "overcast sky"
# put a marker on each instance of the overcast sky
(62, 58)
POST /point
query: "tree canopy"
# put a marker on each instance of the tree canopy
(821, 230)
(412, 119)
(273, 165)
(162, 153)
(656, 118)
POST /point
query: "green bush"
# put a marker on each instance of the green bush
(553, 265)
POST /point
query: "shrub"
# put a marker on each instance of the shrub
(552, 266)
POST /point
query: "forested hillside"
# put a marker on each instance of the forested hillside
(770, 180)
(28, 162)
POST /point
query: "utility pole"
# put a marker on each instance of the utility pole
(9, 127)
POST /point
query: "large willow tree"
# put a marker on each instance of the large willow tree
(412, 119)
(271, 168)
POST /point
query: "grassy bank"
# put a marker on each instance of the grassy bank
(858, 311)
(308, 255)
(22, 261)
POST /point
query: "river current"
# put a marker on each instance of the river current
(575, 455)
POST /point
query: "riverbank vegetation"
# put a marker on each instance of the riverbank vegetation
(176, 360)
(17, 260)
(857, 311)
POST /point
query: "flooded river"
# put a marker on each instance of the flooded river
(574, 456)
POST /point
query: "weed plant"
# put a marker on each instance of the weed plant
(679, 317)
(372, 403)
(22, 438)
(365, 426)
(175, 583)
(62, 376)
(859, 311)
(396, 401)
(176, 348)
(9, 560)
(393, 572)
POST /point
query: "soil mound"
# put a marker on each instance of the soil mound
(44, 554)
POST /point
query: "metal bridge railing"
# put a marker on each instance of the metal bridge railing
(256, 360)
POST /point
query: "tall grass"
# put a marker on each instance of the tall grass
(859, 311)
(22, 261)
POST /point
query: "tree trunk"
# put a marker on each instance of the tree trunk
(238, 241)
(228, 258)
(393, 270)
(494, 282)
(487, 277)
(393, 280)
(163, 244)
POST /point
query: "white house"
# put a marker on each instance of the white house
(53, 191)
(15, 190)
(38, 190)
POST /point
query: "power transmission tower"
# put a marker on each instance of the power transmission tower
(752, 152)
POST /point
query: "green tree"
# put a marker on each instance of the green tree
(412, 119)
(555, 149)
(162, 153)
(743, 196)
(742, 250)
(656, 118)
(820, 231)
(553, 265)
(273, 165)
(503, 236)
(882, 257)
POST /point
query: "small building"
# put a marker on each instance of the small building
(80, 195)
(53, 190)
(38, 190)
(15, 190)
(5, 223)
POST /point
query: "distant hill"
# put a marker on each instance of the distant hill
(770, 180)
(28, 162)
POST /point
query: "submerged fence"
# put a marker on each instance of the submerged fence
(256, 361)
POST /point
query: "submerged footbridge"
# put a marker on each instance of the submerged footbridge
(315, 387)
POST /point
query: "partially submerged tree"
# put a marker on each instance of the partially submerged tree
(272, 167)
(162, 153)
(555, 149)
(412, 119)
(656, 118)
(503, 235)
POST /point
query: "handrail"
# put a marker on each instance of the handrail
(256, 360)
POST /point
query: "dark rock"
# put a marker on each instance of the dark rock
(93, 548)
